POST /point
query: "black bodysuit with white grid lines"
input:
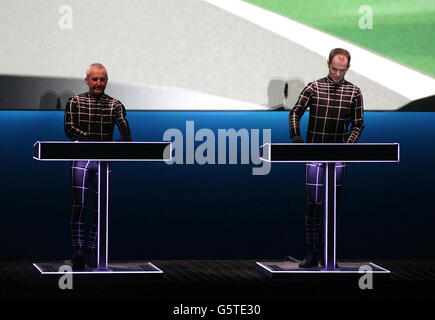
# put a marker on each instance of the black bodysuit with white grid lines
(333, 107)
(90, 118)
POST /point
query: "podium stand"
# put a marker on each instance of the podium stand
(329, 153)
(104, 153)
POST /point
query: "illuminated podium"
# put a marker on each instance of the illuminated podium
(104, 153)
(328, 153)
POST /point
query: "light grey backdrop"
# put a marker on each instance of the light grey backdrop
(166, 53)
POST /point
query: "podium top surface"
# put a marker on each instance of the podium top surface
(102, 151)
(330, 152)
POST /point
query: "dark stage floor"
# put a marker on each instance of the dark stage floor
(213, 282)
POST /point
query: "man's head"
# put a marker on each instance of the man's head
(96, 78)
(338, 64)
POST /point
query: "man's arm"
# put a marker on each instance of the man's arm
(357, 125)
(298, 111)
(71, 120)
(122, 123)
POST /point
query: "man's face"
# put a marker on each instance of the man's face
(96, 80)
(338, 67)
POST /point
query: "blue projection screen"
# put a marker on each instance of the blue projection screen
(208, 204)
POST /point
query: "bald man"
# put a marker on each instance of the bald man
(90, 116)
(336, 116)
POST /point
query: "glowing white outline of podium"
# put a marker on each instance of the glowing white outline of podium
(103, 205)
(276, 269)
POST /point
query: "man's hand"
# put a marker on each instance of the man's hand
(297, 139)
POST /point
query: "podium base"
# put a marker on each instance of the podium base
(291, 270)
(119, 268)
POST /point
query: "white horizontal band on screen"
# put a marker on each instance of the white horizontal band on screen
(392, 75)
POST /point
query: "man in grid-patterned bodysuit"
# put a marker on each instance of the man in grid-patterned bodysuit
(90, 116)
(335, 104)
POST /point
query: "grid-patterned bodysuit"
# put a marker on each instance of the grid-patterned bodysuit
(90, 118)
(333, 108)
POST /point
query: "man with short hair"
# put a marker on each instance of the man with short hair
(90, 116)
(335, 104)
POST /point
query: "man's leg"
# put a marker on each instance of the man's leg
(79, 171)
(315, 183)
(315, 179)
(93, 232)
(340, 169)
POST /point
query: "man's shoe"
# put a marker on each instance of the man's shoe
(78, 260)
(322, 261)
(290, 258)
(310, 261)
(92, 258)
